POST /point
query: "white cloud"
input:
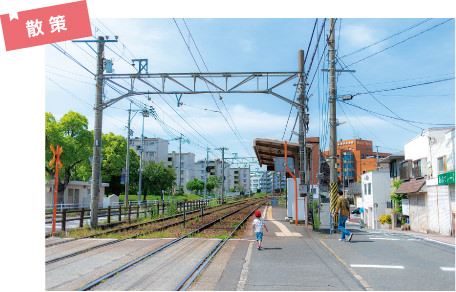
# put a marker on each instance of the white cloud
(358, 36)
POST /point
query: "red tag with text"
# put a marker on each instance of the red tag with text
(46, 25)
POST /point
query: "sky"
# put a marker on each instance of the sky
(231, 36)
(386, 53)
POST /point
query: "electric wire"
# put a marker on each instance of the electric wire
(396, 118)
(235, 131)
(387, 38)
(398, 43)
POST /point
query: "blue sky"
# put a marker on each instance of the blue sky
(423, 51)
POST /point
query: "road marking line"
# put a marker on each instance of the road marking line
(296, 234)
(447, 269)
(284, 230)
(383, 238)
(245, 269)
(377, 266)
(355, 274)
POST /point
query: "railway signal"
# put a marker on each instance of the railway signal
(58, 165)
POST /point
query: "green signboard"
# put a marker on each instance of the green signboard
(446, 178)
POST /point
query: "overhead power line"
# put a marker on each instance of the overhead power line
(387, 38)
(398, 43)
(396, 118)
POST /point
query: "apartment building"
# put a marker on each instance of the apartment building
(187, 167)
(154, 149)
(267, 181)
(354, 158)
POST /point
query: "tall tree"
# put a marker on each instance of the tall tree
(157, 177)
(114, 153)
(72, 135)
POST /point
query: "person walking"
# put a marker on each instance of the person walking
(258, 225)
(343, 208)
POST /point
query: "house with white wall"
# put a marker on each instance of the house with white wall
(77, 194)
(375, 188)
(392, 165)
(428, 175)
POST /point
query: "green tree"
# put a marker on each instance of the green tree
(76, 140)
(397, 198)
(195, 185)
(114, 153)
(217, 181)
(210, 186)
(157, 177)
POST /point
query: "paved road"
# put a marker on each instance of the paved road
(295, 258)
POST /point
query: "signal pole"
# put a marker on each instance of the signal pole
(332, 122)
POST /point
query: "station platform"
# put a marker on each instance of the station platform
(290, 259)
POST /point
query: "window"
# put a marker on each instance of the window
(365, 189)
(441, 164)
(393, 168)
(416, 170)
(369, 185)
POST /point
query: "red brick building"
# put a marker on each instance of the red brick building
(355, 157)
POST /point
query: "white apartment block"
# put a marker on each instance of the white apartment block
(155, 149)
(188, 170)
(267, 181)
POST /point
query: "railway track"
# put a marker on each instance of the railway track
(138, 226)
(144, 229)
(169, 266)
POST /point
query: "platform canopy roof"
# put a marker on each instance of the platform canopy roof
(268, 149)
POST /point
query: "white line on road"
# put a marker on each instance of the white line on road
(383, 238)
(245, 269)
(447, 269)
(377, 266)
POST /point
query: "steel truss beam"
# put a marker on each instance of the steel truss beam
(209, 85)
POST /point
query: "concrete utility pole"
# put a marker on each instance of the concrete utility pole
(145, 114)
(332, 121)
(303, 130)
(180, 161)
(96, 166)
(127, 174)
(205, 172)
(223, 172)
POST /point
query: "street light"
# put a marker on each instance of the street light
(346, 97)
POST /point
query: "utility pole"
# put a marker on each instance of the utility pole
(302, 99)
(127, 175)
(332, 121)
(377, 157)
(96, 166)
(180, 161)
(145, 114)
(205, 171)
(223, 172)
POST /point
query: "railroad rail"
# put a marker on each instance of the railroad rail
(185, 282)
(174, 221)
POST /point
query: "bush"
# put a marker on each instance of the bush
(385, 219)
